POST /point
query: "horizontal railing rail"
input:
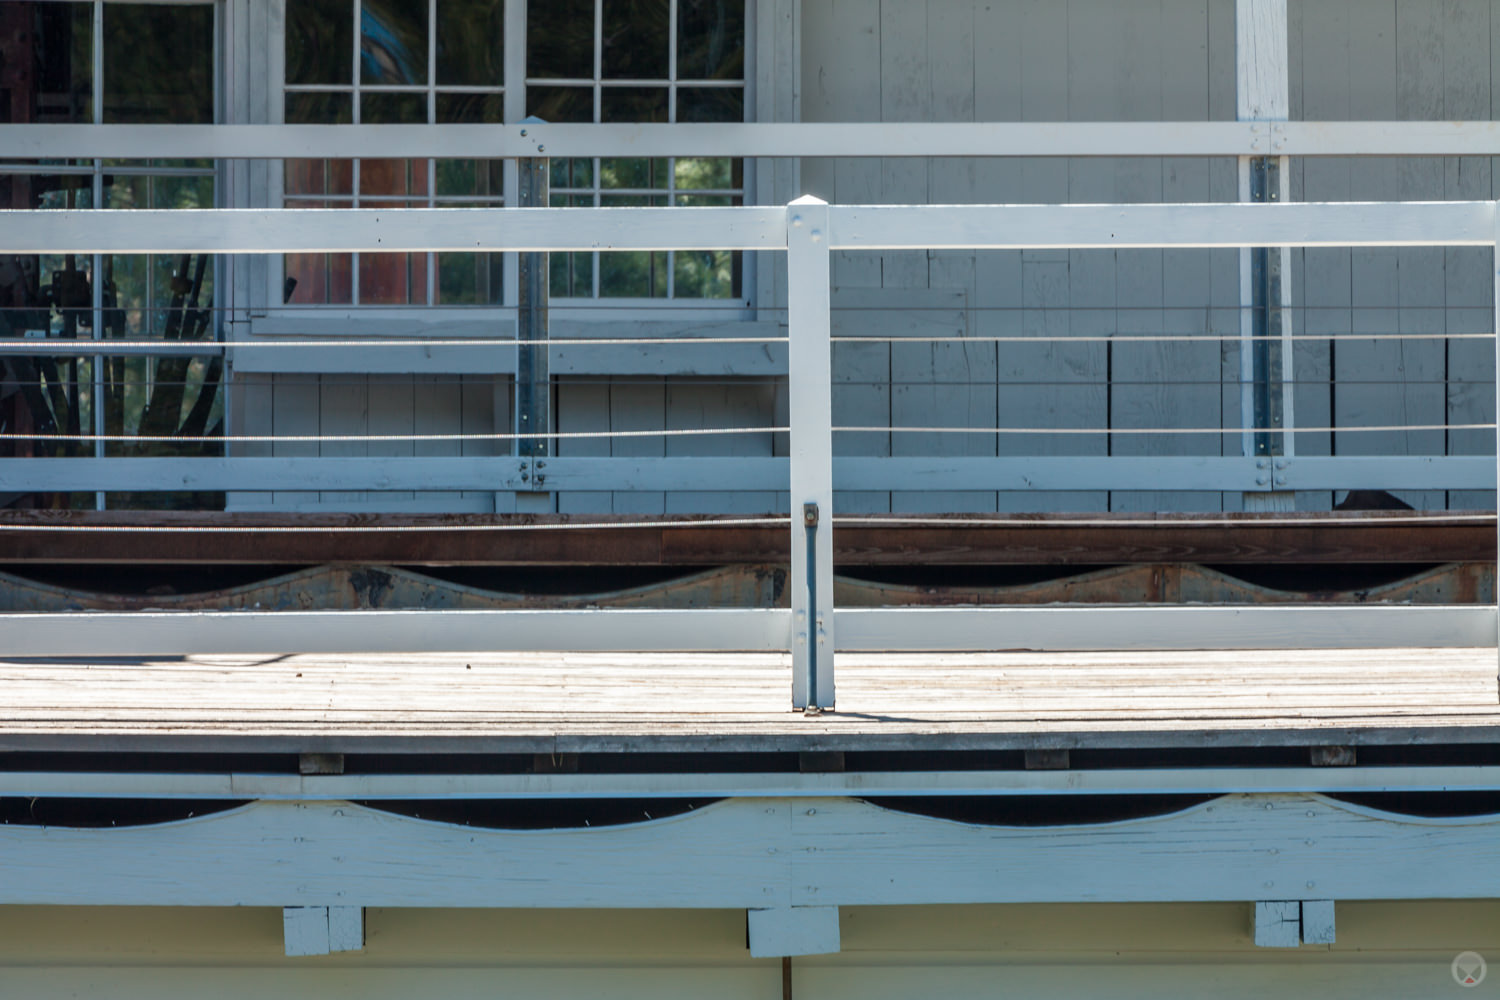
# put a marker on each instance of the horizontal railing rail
(709, 474)
(852, 227)
(807, 231)
(760, 139)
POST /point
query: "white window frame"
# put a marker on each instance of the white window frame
(95, 171)
(268, 316)
(598, 84)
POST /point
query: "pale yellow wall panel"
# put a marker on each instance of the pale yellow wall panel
(319, 980)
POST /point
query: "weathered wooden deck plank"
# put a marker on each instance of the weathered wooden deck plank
(742, 701)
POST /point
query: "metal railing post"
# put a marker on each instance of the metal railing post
(533, 382)
(810, 398)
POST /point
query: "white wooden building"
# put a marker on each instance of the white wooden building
(797, 265)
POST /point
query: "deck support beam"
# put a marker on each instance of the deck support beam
(792, 863)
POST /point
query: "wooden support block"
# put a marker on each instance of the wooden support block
(820, 761)
(322, 930)
(1048, 760)
(1317, 921)
(1278, 924)
(305, 930)
(1332, 756)
(346, 928)
(793, 930)
(320, 763)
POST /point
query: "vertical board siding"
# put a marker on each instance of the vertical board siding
(584, 406)
(436, 408)
(1028, 60)
(296, 401)
(1468, 78)
(251, 412)
(353, 405)
(1394, 60)
(705, 403)
(392, 408)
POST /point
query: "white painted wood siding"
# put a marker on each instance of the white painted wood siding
(1360, 60)
(1011, 60)
(357, 405)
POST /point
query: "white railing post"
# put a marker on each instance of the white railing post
(810, 398)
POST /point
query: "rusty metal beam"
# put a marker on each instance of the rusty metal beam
(160, 537)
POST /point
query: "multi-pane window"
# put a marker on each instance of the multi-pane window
(81, 62)
(394, 62)
(442, 61)
(614, 61)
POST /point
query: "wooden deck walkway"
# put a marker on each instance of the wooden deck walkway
(738, 702)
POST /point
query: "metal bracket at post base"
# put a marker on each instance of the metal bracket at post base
(816, 637)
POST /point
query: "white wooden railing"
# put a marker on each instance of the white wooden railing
(807, 232)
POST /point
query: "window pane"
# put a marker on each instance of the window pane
(710, 104)
(393, 109)
(46, 191)
(319, 109)
(320, 41)
(317, 278)
(392, 278)
(66, 284)
(488, 109)
(158, 192)
(471, 43)
(572, 275)
(158, 63)
(633, 104)
(575, 173)
(633, 274)
(636, 274)
(392, 177)
(484, 178)
(705, 274)
(393, 42)
(561, 104)
(710, 39)
(633, 173)
(51, 63)
(699, 173)
(635, 43)
(560, 40)
(469, 278)
(318, 177)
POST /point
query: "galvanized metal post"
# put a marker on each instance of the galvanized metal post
(1263, 97)
(1267, 319)
(533, 396)
(810, 397)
